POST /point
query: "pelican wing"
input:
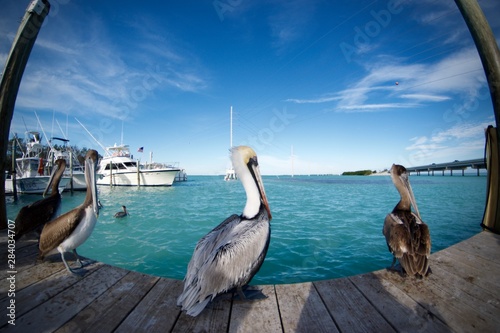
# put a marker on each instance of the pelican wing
(227, 257)
(36, 214)
(397, 235)
(56, 231)
(408, 239)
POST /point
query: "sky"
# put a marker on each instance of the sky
(316, 87)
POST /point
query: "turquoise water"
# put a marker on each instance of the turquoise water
(322, 227)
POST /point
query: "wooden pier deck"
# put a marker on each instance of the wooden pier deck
(461, 295)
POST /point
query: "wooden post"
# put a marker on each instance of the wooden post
(71, 171)
(11, 79)
(14, 172)
(490, 57)
(110, 173)
(138, 175)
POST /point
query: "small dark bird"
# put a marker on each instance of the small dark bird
(71, 229)
(122, 213)
(231, 254)
(35, 215)
(407, 236)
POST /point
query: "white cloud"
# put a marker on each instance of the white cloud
(390, 83)
(88, 72)
(464, 139)
(426, 97)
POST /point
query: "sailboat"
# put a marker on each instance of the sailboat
(230, 174)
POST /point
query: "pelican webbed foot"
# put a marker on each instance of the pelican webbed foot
(247, 293)
(80, 262)
(77, 272)
(396, 268)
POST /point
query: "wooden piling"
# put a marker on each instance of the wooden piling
(490, 57)
(11, 79)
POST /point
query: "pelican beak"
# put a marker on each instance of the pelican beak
(407, 186)
(260, 185)
(51, 179)
(90, 170)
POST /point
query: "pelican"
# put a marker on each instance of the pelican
(232, 253)
(122, 213)
(36, 214)
(72, 229)
(407, 236)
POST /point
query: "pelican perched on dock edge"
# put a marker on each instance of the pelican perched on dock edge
(231, 254)
(72, 229)
(123, 213)
(35, 215)
(407, 236)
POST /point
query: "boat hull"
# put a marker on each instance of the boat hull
(79, 183)
(33, 185)
(155, 177)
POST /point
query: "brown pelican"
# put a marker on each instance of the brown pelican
(72, 229)
(407, 236)
(122, 213)
(36, 214)
(231, 254)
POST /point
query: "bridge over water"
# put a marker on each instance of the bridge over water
(478, 163)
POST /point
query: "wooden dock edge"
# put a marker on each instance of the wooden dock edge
(461, 295)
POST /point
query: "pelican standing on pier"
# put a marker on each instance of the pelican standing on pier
(407, 236)
(72, 229)
(35, 215)
(232, 253)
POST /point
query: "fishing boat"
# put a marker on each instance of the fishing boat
(74, 169)
(32, 171)
(118, 168)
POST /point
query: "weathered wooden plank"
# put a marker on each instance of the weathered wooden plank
(302, 309)
(52, 314)
(109, 310)
(351, 311)
(25, 258)
(485, 302)
(404, 314)
(475, 260)
(465, 269)
(484, 245)
(440, 302)
(34, 274)
(256, 315)
(41, 291)
(157, 311)
(214, 318)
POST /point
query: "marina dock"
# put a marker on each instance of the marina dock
(461, 295)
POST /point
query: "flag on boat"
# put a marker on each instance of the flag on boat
(140, 150)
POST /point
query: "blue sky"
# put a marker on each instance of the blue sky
(348, 84)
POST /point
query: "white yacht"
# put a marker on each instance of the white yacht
(119, 168)
(32, 171)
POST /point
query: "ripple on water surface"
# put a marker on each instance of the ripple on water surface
(322, 227)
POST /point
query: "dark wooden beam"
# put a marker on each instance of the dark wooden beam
(490, 57)
(11, 79)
